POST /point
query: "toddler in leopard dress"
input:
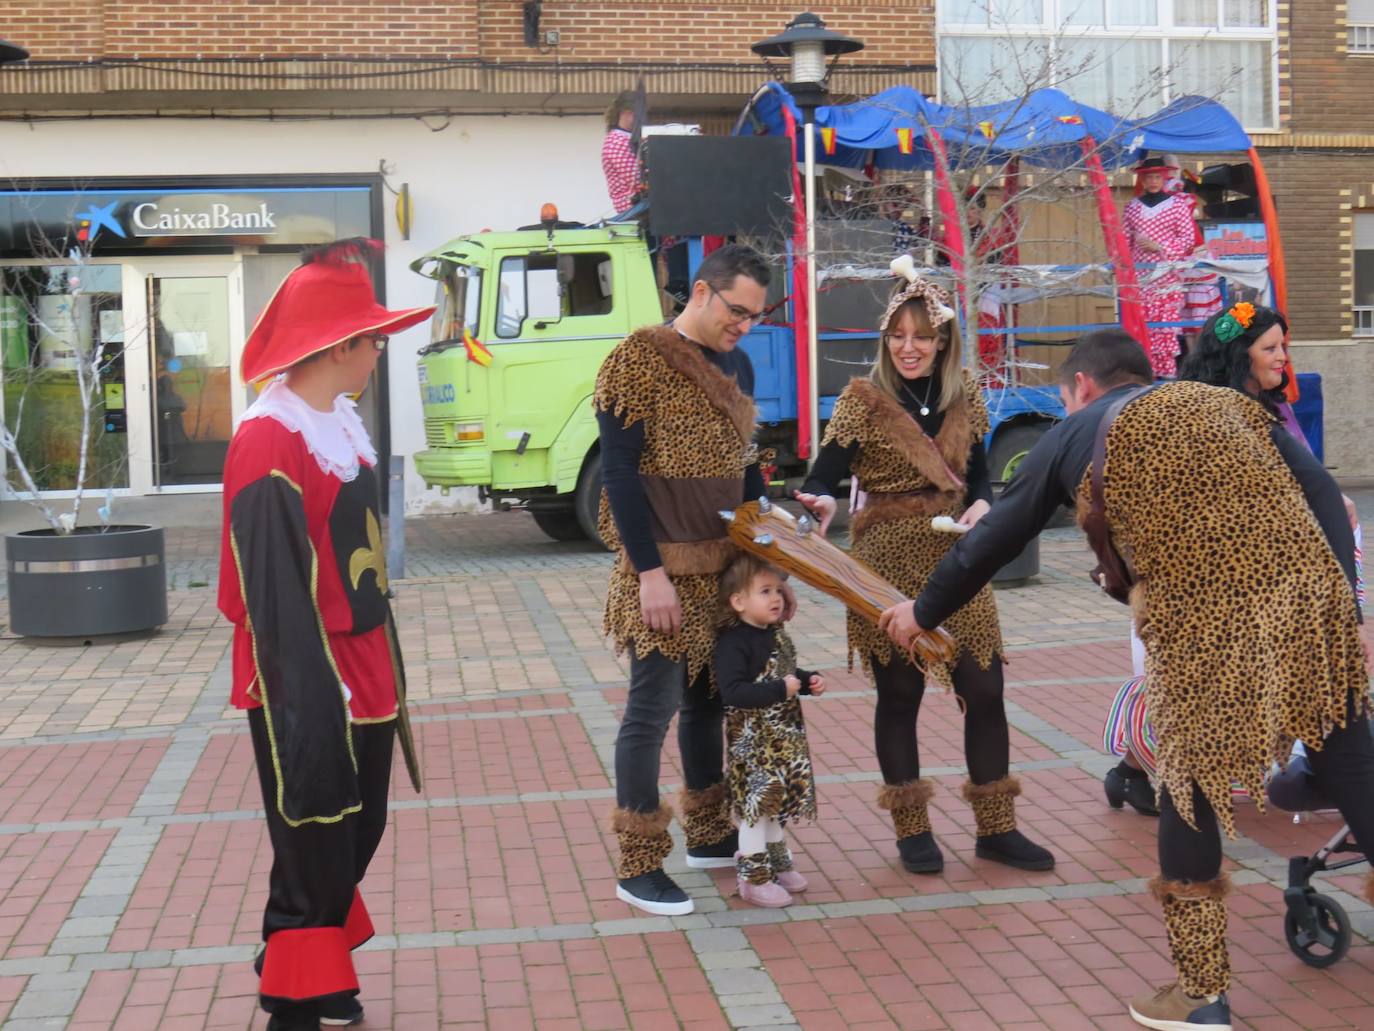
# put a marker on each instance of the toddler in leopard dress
(768, 766)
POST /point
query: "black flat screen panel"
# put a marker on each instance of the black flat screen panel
(719, 185)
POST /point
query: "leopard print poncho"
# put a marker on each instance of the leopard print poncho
(910, 478)
(698, 430)
(768, 765)
(1248, 621)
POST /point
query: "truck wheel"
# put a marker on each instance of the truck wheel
(1010, 446)
(559, 523)
(587, 500)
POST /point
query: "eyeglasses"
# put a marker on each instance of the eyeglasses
(892, 339)
(737, 313)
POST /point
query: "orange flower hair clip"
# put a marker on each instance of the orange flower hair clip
(1234, 322)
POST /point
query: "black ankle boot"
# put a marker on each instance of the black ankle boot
(920, 853)
(1013, 848)
(1137, 791)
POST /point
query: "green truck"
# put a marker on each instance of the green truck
(525, 319)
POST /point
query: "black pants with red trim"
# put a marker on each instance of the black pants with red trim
(316, 867)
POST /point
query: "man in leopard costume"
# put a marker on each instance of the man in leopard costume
(676, 417)
(1244, 598)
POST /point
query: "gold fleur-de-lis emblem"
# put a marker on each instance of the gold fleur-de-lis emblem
(369, 557)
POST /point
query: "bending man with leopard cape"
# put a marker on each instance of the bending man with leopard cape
(1244, 598)
(676, 417)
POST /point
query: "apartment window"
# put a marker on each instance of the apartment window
(1127, 56)
(1364, 273)
(1359, 21)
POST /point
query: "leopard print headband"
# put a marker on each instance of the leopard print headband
(935, 299)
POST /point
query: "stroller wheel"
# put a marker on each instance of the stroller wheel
(1321, 936)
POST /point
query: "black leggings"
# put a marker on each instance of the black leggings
(986, 737)
(1343, 772)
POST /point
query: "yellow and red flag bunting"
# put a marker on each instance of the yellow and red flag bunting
(828, 140)
(904, 135)
(1069, 119)
(476, 350)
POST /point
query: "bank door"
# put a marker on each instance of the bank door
(195, 337)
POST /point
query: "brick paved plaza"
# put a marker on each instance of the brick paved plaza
(133, 856)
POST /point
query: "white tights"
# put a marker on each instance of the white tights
(754, 837)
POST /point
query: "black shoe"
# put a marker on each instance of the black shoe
(340, 1011)
(655, 892)
(920, 853)
(1134, 790)
(714, 857)
(1013, 848)
(292, 1022)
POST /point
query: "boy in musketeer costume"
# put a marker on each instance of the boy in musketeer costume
(303, 580)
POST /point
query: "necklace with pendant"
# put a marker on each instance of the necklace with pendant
(924, 403)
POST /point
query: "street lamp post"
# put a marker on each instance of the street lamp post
(807, 43)
(10, 52)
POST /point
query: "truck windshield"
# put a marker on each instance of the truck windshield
(458, 296)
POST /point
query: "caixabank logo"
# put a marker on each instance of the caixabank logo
(188, 215)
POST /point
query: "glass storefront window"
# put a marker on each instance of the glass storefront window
(54, 319)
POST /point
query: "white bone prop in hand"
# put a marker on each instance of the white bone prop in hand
(946, 524)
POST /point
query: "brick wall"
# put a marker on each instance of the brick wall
(1316, 194)
(896, 31)
(1323, 88)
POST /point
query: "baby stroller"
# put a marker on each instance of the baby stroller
(1316, 926)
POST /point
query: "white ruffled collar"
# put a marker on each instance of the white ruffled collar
(338, 440)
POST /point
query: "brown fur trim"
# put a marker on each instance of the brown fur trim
(885, 508)
(721, 390)
(906, 796)
(707, 798)
(690, 558)
(1164, 890)
(1369, 887)
(942, 460)
(1006, 786)
(646, 824)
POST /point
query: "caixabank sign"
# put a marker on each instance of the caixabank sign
(43, 221)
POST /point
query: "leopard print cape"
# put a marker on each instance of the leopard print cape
(1247, 618)
(697, 423)
(768, 764)
(896, 457)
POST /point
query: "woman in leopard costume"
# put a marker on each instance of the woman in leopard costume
(911, 436)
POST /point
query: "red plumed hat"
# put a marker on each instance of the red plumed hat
(327, 300)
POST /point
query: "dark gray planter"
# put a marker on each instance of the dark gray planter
(90, 582)
(1023, 566)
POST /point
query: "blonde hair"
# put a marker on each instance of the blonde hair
(736, 579)
(948, 360)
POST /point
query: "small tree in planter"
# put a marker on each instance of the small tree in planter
(61, 337)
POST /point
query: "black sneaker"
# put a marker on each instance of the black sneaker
(655, 892)
(1133, 790)
(920, 853)
(719, 856)
(1013, 848)
(292, 1021)
(340, 1011)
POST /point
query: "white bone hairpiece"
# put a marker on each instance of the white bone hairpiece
(904, 267)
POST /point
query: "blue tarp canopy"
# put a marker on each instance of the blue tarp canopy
(1043, 128)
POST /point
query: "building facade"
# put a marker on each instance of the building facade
(162, 165)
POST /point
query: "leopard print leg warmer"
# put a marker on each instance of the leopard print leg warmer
(908, 805)
(779, 856)
(705, 815)
(1195, 919)
(754, 869)
(643, 838)
(994, 805)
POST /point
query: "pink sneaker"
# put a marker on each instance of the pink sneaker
(770, 896)
(791, 880)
